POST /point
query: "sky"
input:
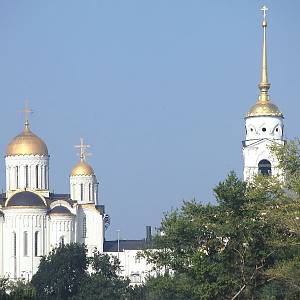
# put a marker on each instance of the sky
(159, 89)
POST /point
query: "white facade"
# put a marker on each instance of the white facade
(261, 132)
(133, 267)
(33, 221)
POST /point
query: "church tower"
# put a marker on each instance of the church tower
(263, 124)
(27, 162)
(83, 181)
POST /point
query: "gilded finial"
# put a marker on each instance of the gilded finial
(83, 147)
(264, 85)
(26, 112)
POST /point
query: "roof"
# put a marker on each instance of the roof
(25, 198)
(26, 143)
(55, 197)
(60, 210)
(112, 246)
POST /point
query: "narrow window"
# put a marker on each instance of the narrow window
(90, 192)
(26, 177)
(45, 177)
(61, 240)
(14, 242)
(81, 191)
(25, 243)
(37, 176)
(36, 243)
(17, 177)
(84, 227)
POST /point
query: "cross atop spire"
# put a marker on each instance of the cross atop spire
(264, 9)
(26, 110)
(83, 147)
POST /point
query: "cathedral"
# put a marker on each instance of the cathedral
(33, 220)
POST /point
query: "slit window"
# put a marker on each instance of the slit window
(37, 177)
(17, 177)
(84, 227)
(81, 191)
(14, 244)
(61, 240)
(36, 243)
(26, 177)
(25, 243)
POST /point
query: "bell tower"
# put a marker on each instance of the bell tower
(263, 124)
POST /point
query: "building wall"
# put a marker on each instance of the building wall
(261, 132)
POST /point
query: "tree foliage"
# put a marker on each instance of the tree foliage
(244, 247)
(61, 272)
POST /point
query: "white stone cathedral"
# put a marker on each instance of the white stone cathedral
(264, 125)
(33, 220)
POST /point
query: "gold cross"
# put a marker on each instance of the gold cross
(83, 154)
(264, 9)
(26, 112)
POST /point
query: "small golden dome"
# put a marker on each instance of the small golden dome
(82, 169)
(264, 108)
(26, 143)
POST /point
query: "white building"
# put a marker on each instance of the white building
(33, 220)
(264, 125)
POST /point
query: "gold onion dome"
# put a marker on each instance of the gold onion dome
(82, 169)
(263, 106)
(26, 143)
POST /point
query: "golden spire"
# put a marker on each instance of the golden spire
(263, 106)
(83, 154)
(264, 85)
(26, 112)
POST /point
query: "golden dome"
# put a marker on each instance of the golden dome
(83, 169)
(26, 143)
(264, 108)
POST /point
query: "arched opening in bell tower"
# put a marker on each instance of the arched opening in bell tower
(264, 167)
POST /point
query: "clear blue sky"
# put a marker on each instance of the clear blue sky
(158, 88)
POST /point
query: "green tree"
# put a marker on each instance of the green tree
(21, 290)
(61, 273)
(104, 281)
(225, 251)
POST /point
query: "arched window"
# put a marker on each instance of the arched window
(37, 176)
(81, 191)
(14, 244)
(62, 240)
(25, 243)
(84, 227)
(264, 167)
(36, 243)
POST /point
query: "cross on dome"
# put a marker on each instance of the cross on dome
(83, 147)
(26, 110)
